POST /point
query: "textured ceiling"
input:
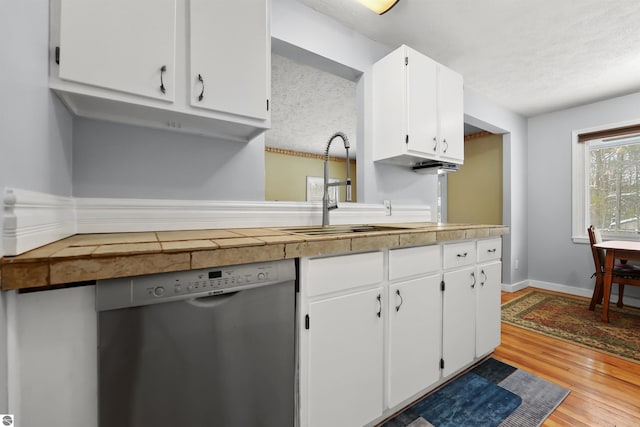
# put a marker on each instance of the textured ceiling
(529, 56)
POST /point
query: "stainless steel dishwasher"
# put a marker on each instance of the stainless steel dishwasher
(200, 348)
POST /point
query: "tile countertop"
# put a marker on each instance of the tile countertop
(88, 257)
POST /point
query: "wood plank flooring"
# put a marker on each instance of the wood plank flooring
(605, 390)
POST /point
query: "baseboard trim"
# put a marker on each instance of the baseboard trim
(570, 290)
(515, 286)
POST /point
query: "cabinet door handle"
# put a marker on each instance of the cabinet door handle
(163, 70)
(379, 298)
(401, 300)
(473, 276)
(484, 277)
(435, 144)
(464, 255)
(445, 145)
(201, 80)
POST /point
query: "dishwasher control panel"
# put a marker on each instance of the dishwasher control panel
(155, 288)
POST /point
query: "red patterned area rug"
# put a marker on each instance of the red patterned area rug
(568, 318)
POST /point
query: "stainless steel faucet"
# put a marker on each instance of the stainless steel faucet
(326, 206)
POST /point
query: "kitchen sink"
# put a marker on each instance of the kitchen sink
(342, 229)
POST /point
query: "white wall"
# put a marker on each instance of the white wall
(553, 257)
(35, 129)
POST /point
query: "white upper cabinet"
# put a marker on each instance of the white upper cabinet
(418, 110)
(132, 58)
(422, 108)
(222, 52)
(194, 66)
(450, 115)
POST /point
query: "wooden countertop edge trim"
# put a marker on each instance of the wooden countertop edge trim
(28, 273)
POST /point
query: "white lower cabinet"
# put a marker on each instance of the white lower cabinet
(378, 329)
(458, 319)
(341, 330)
(345, 359)
(415, 327)
(488, 307)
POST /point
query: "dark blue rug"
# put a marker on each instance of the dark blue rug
(490, 395)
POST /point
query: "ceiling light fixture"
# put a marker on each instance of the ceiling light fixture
(379, 6)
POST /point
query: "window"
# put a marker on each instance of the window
(606, 187)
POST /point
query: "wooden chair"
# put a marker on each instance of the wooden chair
(623, 273)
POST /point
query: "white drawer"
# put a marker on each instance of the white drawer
(413, 261)
(489, 249)
(459, 254)
(333, 274)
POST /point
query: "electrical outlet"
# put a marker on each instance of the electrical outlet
(387, 207)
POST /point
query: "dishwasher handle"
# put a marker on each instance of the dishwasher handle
(210, 301)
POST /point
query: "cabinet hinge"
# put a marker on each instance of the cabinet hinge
(58, 55)
(406, 139)
(441, 363)
(406, 60)
(267, 105)
(306, 321)
(442, 286)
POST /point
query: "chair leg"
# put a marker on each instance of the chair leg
(620, 295)
(597, 293)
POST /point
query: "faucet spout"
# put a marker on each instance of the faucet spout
(326, 204)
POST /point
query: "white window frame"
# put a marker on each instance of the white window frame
(579, 184)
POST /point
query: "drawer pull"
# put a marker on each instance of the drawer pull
(491, 251)
(464, 255)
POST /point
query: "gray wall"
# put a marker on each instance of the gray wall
(114, 160)
(35, 129)
(484, 114)
(296, 24)
(111, 160)
(553, 257)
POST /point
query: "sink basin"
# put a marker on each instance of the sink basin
(342, 229)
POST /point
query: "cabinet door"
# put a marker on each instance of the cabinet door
(389, 106)
(345, 360)
(230, 56)
(451, 115)
(458, 329)
(121, 45)
(488, 307)
(415, 325)
(422, 113)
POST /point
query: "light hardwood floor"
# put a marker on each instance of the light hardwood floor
(605, 390)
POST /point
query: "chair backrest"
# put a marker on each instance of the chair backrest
(598, 254)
